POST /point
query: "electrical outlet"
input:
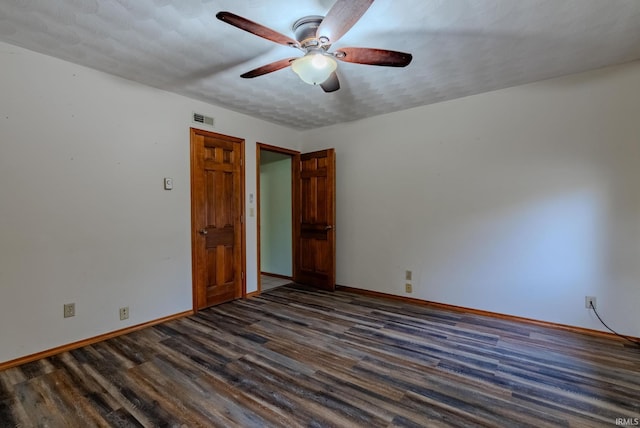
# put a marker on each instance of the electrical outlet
(69, 310)
(408, 288)
(407, 275)
(124, 313)
(588, 300)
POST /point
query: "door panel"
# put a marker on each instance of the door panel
(315, 219)
(217, 210)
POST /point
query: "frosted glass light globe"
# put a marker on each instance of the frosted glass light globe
(314, 68)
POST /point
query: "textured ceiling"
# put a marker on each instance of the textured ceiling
(460, 48)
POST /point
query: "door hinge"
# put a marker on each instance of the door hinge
(241, 275)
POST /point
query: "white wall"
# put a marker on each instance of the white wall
(520, 201)
(275, 214)
(83, 214)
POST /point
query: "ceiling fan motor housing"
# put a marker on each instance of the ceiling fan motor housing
(305, 30)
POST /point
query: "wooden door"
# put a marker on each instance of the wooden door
(217, 209)
(315, 234)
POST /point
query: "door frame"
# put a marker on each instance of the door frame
(294, 154)
(194, 233)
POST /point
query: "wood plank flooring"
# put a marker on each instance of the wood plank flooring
(297, 357)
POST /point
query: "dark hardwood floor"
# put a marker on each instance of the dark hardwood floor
(296, 357)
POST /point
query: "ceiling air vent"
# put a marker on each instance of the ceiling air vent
(201, 118)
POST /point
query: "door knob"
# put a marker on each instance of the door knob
(203, 231)
(328, 227)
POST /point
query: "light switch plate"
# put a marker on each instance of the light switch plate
(69, 310)
(168, 183)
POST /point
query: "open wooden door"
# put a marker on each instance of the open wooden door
(314, 219)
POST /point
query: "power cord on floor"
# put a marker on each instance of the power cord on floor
(635, 342)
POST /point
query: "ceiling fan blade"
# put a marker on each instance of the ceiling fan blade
(332, 84)
(255, 28)
(341, 17)
(269, 68)
(374, 57)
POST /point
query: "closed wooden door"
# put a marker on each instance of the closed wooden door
(217, 183)
(315, 234)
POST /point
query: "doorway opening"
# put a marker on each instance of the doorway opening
(312, 243)
(275, 176)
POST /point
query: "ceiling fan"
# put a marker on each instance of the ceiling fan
(314, 36)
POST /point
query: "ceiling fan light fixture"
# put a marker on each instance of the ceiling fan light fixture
(314, 68)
